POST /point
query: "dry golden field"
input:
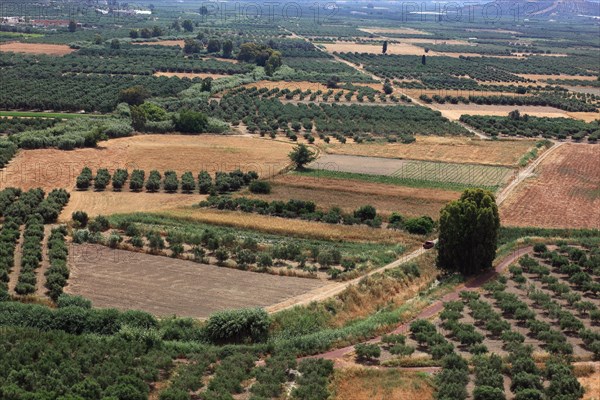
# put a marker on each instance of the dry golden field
(457, 149)
(351, 194)
(36, 48)
(53, 168)
(190, 75)
(179, 43)
(359, 383)
(298, 228)
(564, 193)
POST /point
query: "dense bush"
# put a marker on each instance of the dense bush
(58, 272)
(32, 255)
(238, 326)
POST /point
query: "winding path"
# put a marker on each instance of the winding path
(433, 309)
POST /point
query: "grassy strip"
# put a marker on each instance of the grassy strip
(34, 114)
(390, 180)
(377, 253)
(507, 234)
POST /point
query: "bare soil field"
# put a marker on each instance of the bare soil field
(179, 43)
(53, 168)
(165, 286)
(442, 148)
(350, 194)
(565, 193)
(454, 111)
(449, 92)
(190, 75)
(299, 228)
(361, 383)
(36, 48)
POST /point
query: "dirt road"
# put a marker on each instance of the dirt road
(433, 309)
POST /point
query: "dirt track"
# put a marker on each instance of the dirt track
(435, 308)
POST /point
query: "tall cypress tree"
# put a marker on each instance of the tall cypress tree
(469, 232)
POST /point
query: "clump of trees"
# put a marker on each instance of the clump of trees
(58, 272)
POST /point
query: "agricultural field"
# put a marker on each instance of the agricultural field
(415, 173)
(112, 279)
(575, 203)
(342, 201)
(444, 149)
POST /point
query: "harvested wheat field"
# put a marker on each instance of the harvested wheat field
(301, 85)
(359, 383)
(564, 193)
(350, 194)
(542, 77)
(109, 202)
(164, 286)
(36, 48)
(401, 31)
(179, 43)
(190, 75)
(454, 111)
(297, 228)
(393, 48)
(442, 148)
(53, 168)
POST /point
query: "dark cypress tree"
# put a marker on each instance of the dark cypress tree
(469, 232)
(385, 45)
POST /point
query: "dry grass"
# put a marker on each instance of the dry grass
(106, 203)
(565, 193)
(402, 31)
(179, 43)
(52, 168)
(350, 194)
(36, 48)
(190, 75)
(584, 116)
(393, 48)
(454, 111)
(442, 149)
(588, 375)
(381, 384)
(542, 77)
(301, 85)
(296, 227)
(380, 290)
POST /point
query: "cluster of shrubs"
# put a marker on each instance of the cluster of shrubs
(51, 207)
(302, 209)
(464, 333)
(271, 377)
(423, 225)
(32, 255)
(58, 272)
(314, 379)
(23, 205)
(223, 182)
(452, 380)
(489, 381)
(9, 235)
(425, 333)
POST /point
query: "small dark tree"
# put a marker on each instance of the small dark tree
(385, 46)
(423, 60)
(188, 26)
(134, 96)
(72, 26)
(302, 155)
(227, 48)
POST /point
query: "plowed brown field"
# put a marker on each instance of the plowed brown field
(565, 193)
(164, 286)
(349, 195)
